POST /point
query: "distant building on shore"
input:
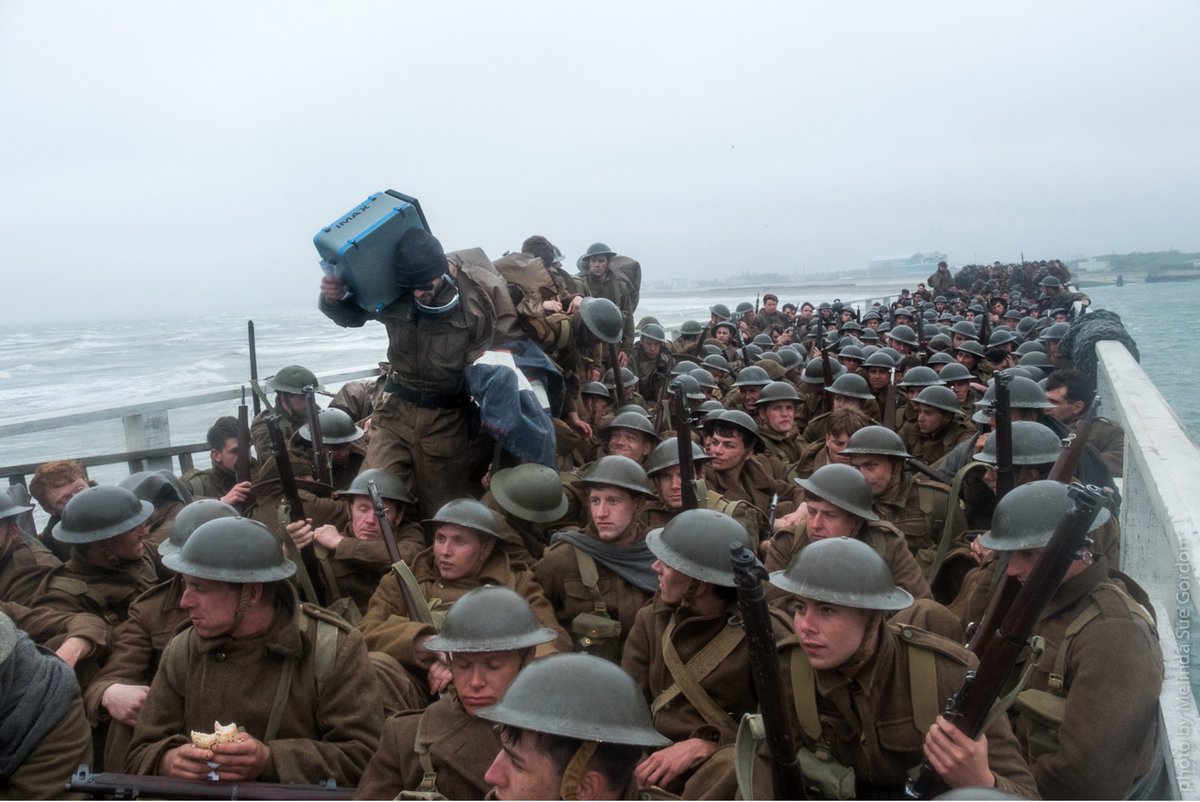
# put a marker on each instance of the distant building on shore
(913, 264)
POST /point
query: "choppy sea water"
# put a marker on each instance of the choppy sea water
(56, 368)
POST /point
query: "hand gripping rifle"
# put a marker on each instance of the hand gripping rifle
(618, 380)
(287, 479)
(100, 785)
(418, 608)
(748, 576)
(1003, 435)
(683, 438)
(1001, 646)
(322, 470)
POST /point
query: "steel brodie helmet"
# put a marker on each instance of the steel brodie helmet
(876, 440)
(389, 485)
(844, 487)
(337, 427)
(190, 518)
(603, 319)
(1028, 515)
(531, 492)
(578, 696)
(99, 513)
(235, 550)
(616, 471)
(843, 571)
(293, 379)
(696, 543)
(666, 455)
(491, 618)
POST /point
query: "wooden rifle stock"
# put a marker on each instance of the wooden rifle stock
(287, 479)
(683, 438)
(1001, 647)
(889, 402)
(322, 470)
(1068, 461)
(418, 608)
(748, 576)
(660, 410)
(1003, 435)
(930, 471)
(146, 786)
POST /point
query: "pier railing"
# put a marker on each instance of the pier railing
(1160, 541)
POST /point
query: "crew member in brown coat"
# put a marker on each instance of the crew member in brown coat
(24, 562)
(489, 634)
(867, 693)
(318, 713)
(688, 654)
(290, 405)
(939, 426)
(220, 481)
(598, 578)
(1071, 391)
(735, 472)
(54, 484)
(1087, 718)
(464, 556)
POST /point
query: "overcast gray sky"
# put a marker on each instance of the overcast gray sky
(180, 155)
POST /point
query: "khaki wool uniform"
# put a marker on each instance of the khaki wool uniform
(725, 684)
(1107, 682)
(461, 749)
(216, 481)
(388, 624)
(261, 437)
(419, 432)
(44, 625)
(783, 449)
(138, 643)
(23, 567)
(652, 374)
(1109, 440)
(864, 711)
(105, 592)
(931, 448)
(812, 457)
(753, 484)
(558, 572)
(331, 714)
(917, 507)
(616, 288)
(353, 570)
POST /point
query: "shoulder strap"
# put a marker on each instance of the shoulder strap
(702, 663)
(326, 653)
(281, 695)
(589, 575)
(922, 686)
(404, 574)
(421, 748)
(804, 694)
(691, 688)
(1090, 613)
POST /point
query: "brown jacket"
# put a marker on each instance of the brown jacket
(461, 748)
(1111, 678)
(355, 567)
(23, 566)
(105, 592)
(866, 715)
(388, 625)
(1109, 440)
(917, 507)
(931, 448)
(329, 728)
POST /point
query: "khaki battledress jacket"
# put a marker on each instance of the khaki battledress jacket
(866, 715)
(329, 727)
(931, 448)
(558, 573)
(461, 748)
(1111, 676)
(389, 627)
(917, 507)
(353, 570)
(105, 592)
(261, 436)
(23, 566)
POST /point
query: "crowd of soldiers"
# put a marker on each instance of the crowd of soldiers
(411, 609)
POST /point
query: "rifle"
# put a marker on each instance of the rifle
(771, 516)
(618, 380)
(889, 402)
(826, 371)
(920, 322)
(660, 410)
(1068, 460)
(985, 325)
(146, 786)
(322, 470)
(757, 298)
(1003, 435)
(256, 390)
(242, 472)
(1001, 647)
(683, 438)
(748, 576)
(287, 478)
(418, 608)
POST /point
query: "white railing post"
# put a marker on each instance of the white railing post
(148, 430)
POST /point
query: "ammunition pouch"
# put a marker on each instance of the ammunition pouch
(595, 632)
(824, 777)
(1045, 712)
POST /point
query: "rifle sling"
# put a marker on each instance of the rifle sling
(948, 525)
(687, 677)
(405, 576)
(589, 575)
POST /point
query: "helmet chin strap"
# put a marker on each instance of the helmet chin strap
(573, 773)
(444, 308)
(243, 607)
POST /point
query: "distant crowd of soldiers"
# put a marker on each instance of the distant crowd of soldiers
(389, 599)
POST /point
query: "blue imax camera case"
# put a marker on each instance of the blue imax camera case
(360, 245)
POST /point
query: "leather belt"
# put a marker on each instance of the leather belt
(426, 399)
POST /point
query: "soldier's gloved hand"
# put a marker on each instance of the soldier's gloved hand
(124, 702)
(244, 760)
(237, 494)
(661, 768)
(959, 760)
(301, 532)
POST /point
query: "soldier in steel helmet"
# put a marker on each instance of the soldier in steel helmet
(319, 712)
(488, 636)
(24, 562)
(848, 391)
(867, 691)
(115, 696)
(466, 554)
(353, 558)
(735, 471)
(939, 426)
(109, 565)
(598, 577)
(443, 322)
(601, 281)
(838, 503)
(697, 702)
(289, 383)
(530, 504)
(776, 417)
(841, 426)
(1087, 718)
(651, 363)
(572, 726)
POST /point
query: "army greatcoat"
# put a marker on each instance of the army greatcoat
(23, 566)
